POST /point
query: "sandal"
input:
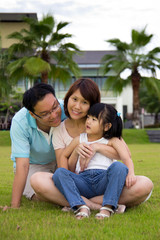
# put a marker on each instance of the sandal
(103, 215)
(82, 214)
(120, 209)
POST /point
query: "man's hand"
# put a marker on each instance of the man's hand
(5, 208)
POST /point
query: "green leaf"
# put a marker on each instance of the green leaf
(35, 66)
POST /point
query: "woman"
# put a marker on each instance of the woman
(82, 94)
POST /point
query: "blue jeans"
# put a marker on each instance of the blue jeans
(91, 183)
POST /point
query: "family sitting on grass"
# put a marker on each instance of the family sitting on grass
(82, 137)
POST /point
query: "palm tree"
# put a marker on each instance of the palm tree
(5, 81)
(42, 51)
(132, 57)
(150, 101)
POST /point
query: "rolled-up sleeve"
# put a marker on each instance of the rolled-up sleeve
(57, 138)
(20, 146)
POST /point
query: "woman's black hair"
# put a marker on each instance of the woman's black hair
(35, 94)
(107, 114)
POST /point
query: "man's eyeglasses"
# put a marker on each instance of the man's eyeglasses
(48, 114)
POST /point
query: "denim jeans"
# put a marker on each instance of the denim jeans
(91, 183)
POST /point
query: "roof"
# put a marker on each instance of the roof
(16, 17)
(91, 57)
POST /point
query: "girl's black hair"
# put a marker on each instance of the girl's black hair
(107, 114)
(35, 94)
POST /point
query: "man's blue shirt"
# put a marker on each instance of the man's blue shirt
(30, 142)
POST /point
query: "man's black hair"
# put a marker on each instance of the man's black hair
(35, 94)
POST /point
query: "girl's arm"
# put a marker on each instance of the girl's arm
(126, 146)
(120, 147)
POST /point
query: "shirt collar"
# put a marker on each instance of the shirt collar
(31, 120)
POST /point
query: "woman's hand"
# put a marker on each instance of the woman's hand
(130, 180)
(86, 152)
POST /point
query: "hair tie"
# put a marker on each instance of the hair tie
(118, 114)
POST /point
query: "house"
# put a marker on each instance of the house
(88, 61)
(11, 22)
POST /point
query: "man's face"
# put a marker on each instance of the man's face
(47, 112)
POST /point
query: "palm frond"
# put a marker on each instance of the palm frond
(115, 83)
(48, 20)
(70, 46)
(154, 51)
(108, 57)
(120, 46)
(60, 74)
(17, 64)
(15, 35)
(140, 38)
(35, 66)
(61, 25)
(152, 85)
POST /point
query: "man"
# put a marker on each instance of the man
(31, 133)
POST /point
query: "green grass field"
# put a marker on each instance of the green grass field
(44, 221)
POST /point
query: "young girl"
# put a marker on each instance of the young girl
(97, 175)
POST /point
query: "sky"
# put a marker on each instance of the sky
(92, 22)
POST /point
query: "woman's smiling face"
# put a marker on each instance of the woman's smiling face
(77, 106)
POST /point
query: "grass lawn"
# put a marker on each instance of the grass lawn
(44, 221)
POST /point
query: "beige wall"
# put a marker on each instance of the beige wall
(7, 28)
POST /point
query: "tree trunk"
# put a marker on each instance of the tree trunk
(5, 124)
(44, 77)
(45, 56)
(156, 119)
(135, 77)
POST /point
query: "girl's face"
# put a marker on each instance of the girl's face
(77, 106)
(94, 127)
